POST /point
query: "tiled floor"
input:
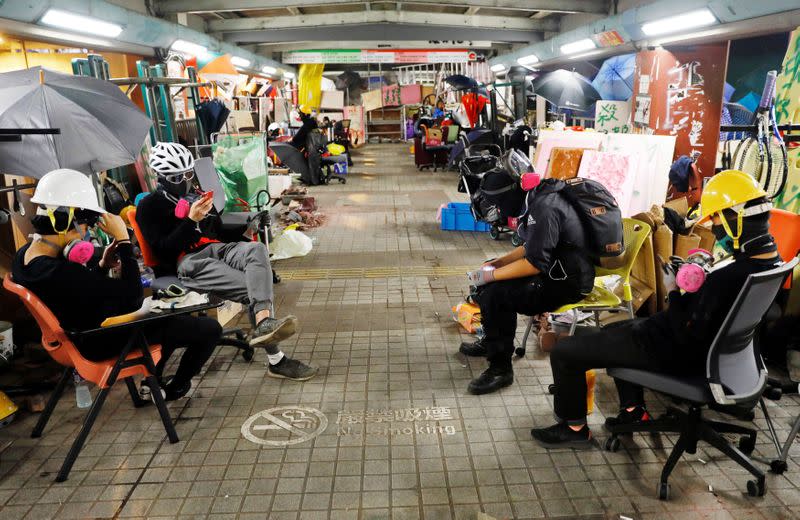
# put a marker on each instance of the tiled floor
(386, 430)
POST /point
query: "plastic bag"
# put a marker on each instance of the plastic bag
(242, 167)
(289, 244)
(335, 149)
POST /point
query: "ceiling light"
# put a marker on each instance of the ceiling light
(266, 69)
(68, 37)
(80, 23)
(289, 75)
(190, 48)
(240, 62)
(692, 36)
(498, 68)
(579, 46)
(681, 22)
(530, 59)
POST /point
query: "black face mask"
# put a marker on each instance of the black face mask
(719, 232)
(178, 190)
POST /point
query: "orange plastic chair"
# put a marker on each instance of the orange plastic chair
(785, 228)
(131, 362)
(148, 256)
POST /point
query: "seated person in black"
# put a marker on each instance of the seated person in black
(309, 123)
(548, 271)
(673, 341)
(82, 295)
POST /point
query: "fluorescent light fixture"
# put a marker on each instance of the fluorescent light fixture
(583, 45)
(692, 36)
(240, 62)
(69, 37)
(586, 54)
(266, 69)
(498, 68)
(80, 23)
(189, 48)
(691, 20)
(530, 59)
(289, 75)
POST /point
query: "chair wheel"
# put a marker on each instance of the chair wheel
(663, 491)
(342, 181)
(551, 389)
(747, 444)
(520, 352)
(778, 466)
(756, 488)
(773, 394)
(248, 354)
(612, 444)
(494, 233)
(276, 278)
(516, 240)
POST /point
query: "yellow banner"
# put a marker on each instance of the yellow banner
(309, 90)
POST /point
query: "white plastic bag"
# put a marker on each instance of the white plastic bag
(289, 244)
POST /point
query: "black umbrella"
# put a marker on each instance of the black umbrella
(478, 136)
(291, 157)
(566, 89)
(461, 82)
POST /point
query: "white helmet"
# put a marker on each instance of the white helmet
(170, 159)
(68, 188)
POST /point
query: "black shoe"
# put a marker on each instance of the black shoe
(625, 417)
(475, 348)
(292, 369)
(491, 380)
(273, 330)
(173, 391)
(560, 435)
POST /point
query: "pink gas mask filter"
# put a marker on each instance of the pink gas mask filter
(691, 273)
(530, 180)
(182, 209)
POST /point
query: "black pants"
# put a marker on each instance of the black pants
(199, 336)
(500, 302)
(612, 347)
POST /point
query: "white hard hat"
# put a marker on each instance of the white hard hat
(68, 188)
(171, 158)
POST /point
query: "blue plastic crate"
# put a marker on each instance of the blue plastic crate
(458, 217)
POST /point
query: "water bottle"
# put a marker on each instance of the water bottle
(147, 276)
(83, 397)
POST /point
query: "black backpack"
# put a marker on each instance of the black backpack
(500, 188)
(599, 213)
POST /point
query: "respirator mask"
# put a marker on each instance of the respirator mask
(59, 221)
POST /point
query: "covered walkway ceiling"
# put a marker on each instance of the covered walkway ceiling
(281, 25)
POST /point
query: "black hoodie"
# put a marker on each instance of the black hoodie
(82, 297)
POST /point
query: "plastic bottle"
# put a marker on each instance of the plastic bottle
(83, 397)
(147, 276)
(590, 379)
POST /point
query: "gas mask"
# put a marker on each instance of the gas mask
(58, 221)
(178, 185)
(751, 235)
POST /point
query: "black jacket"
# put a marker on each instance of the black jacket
(554, 238)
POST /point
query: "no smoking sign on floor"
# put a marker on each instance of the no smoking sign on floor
(284, 425)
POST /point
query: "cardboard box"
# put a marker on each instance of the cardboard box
(707, 239)
(685, 243)
(663, 247)
(679, 205)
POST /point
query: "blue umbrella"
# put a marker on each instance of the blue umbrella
(614, 80)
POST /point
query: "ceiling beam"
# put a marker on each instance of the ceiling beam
(471, 11)
(557, 6)
(380, 32)
(380, 17)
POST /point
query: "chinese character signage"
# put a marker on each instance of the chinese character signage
(612, 117)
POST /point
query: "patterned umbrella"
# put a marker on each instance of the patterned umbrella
(614, 80)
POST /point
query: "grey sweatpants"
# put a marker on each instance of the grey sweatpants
(236, 271)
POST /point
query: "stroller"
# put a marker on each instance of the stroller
(492, 184)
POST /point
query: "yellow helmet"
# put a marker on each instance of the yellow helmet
(7, 409)
(731, 189)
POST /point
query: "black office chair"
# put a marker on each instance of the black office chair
(734, 381)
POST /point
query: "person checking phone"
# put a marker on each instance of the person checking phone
(549, 270)
(60, 267)
(184, 232)
(676, 340)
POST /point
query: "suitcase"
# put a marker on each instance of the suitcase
(422, 158)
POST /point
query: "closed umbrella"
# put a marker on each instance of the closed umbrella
(566, 89)
(614, 80)
(100, 127)
(291, 157)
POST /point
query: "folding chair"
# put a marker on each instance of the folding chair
(137, 358)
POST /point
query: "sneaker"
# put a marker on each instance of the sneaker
(288, 368)
(273, 330)
(476, 348)
(560, 435)
(173, 392)
(625, 417)
(490, 380)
